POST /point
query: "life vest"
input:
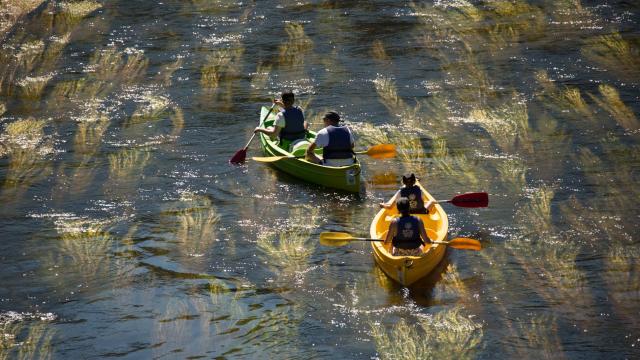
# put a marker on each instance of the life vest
(339, 146)
(408, 233)
(294, 124)
(416, 204)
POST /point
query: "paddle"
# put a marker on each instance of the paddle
(241, 155)
(469, 200)
(381, 151)
(340, 239)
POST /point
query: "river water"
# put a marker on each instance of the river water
(126, 233)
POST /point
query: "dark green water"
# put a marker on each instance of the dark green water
(124, 232)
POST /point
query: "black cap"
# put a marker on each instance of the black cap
(332, 116)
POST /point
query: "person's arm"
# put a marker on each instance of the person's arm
(389, 204)
(270, 131)
(305, 123)
(353, 141)
(429, 205)
(274, 130)
(310, 154)
(423, 233)
(321, 140)
(393, 227)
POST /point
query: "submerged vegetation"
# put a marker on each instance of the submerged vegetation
(25, 335)
(28, 148)
(610, 101)
(293, 51)
(196, 219)
(445, 334)
(287, 251)
(614, 53)
(85, 245)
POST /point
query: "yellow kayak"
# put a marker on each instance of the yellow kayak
(408, 269)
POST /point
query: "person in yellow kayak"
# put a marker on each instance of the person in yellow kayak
(412, 192)
(289, 126)
(406, 234)
(336, 142)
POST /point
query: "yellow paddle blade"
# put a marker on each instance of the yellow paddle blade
(333, 242)
(335, 236)
(382, 151)
(329, 238)
(465, 244)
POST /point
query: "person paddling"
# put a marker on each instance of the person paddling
(336, 142)
(412, 192)
(289, 125)
(406, 234)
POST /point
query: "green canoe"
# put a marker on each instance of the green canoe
(343, 178)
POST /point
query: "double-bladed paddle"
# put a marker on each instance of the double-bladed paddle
(468, 200)
(341, 239)
(241, 155)
(381, 151)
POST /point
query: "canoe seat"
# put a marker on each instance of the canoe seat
(299, 147)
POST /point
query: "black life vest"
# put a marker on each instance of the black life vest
(416, 204)
(339, 146)
(407, 233)
(294, 124)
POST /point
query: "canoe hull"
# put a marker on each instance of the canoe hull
(346, 178)
(406, 270)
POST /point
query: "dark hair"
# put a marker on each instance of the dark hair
(408, 177)
(403, 205)
(288, 97)
(332, 116)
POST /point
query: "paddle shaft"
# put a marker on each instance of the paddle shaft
(301, 156)
(371, 239)
(269, 159)
(261, 122)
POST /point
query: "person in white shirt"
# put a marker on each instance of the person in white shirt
(336, 142)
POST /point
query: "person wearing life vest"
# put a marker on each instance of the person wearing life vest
(412, 192)
(336, 142)
(406, 234)
(289, 126)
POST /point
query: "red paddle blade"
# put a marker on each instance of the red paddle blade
(238, 157)
(471, 200)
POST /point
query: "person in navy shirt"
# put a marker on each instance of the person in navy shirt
(406, 234)
(336, 142)
(412, 192)
(289, 125)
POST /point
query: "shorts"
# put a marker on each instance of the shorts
(408, 252)
(299, 147)
(338, 162)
